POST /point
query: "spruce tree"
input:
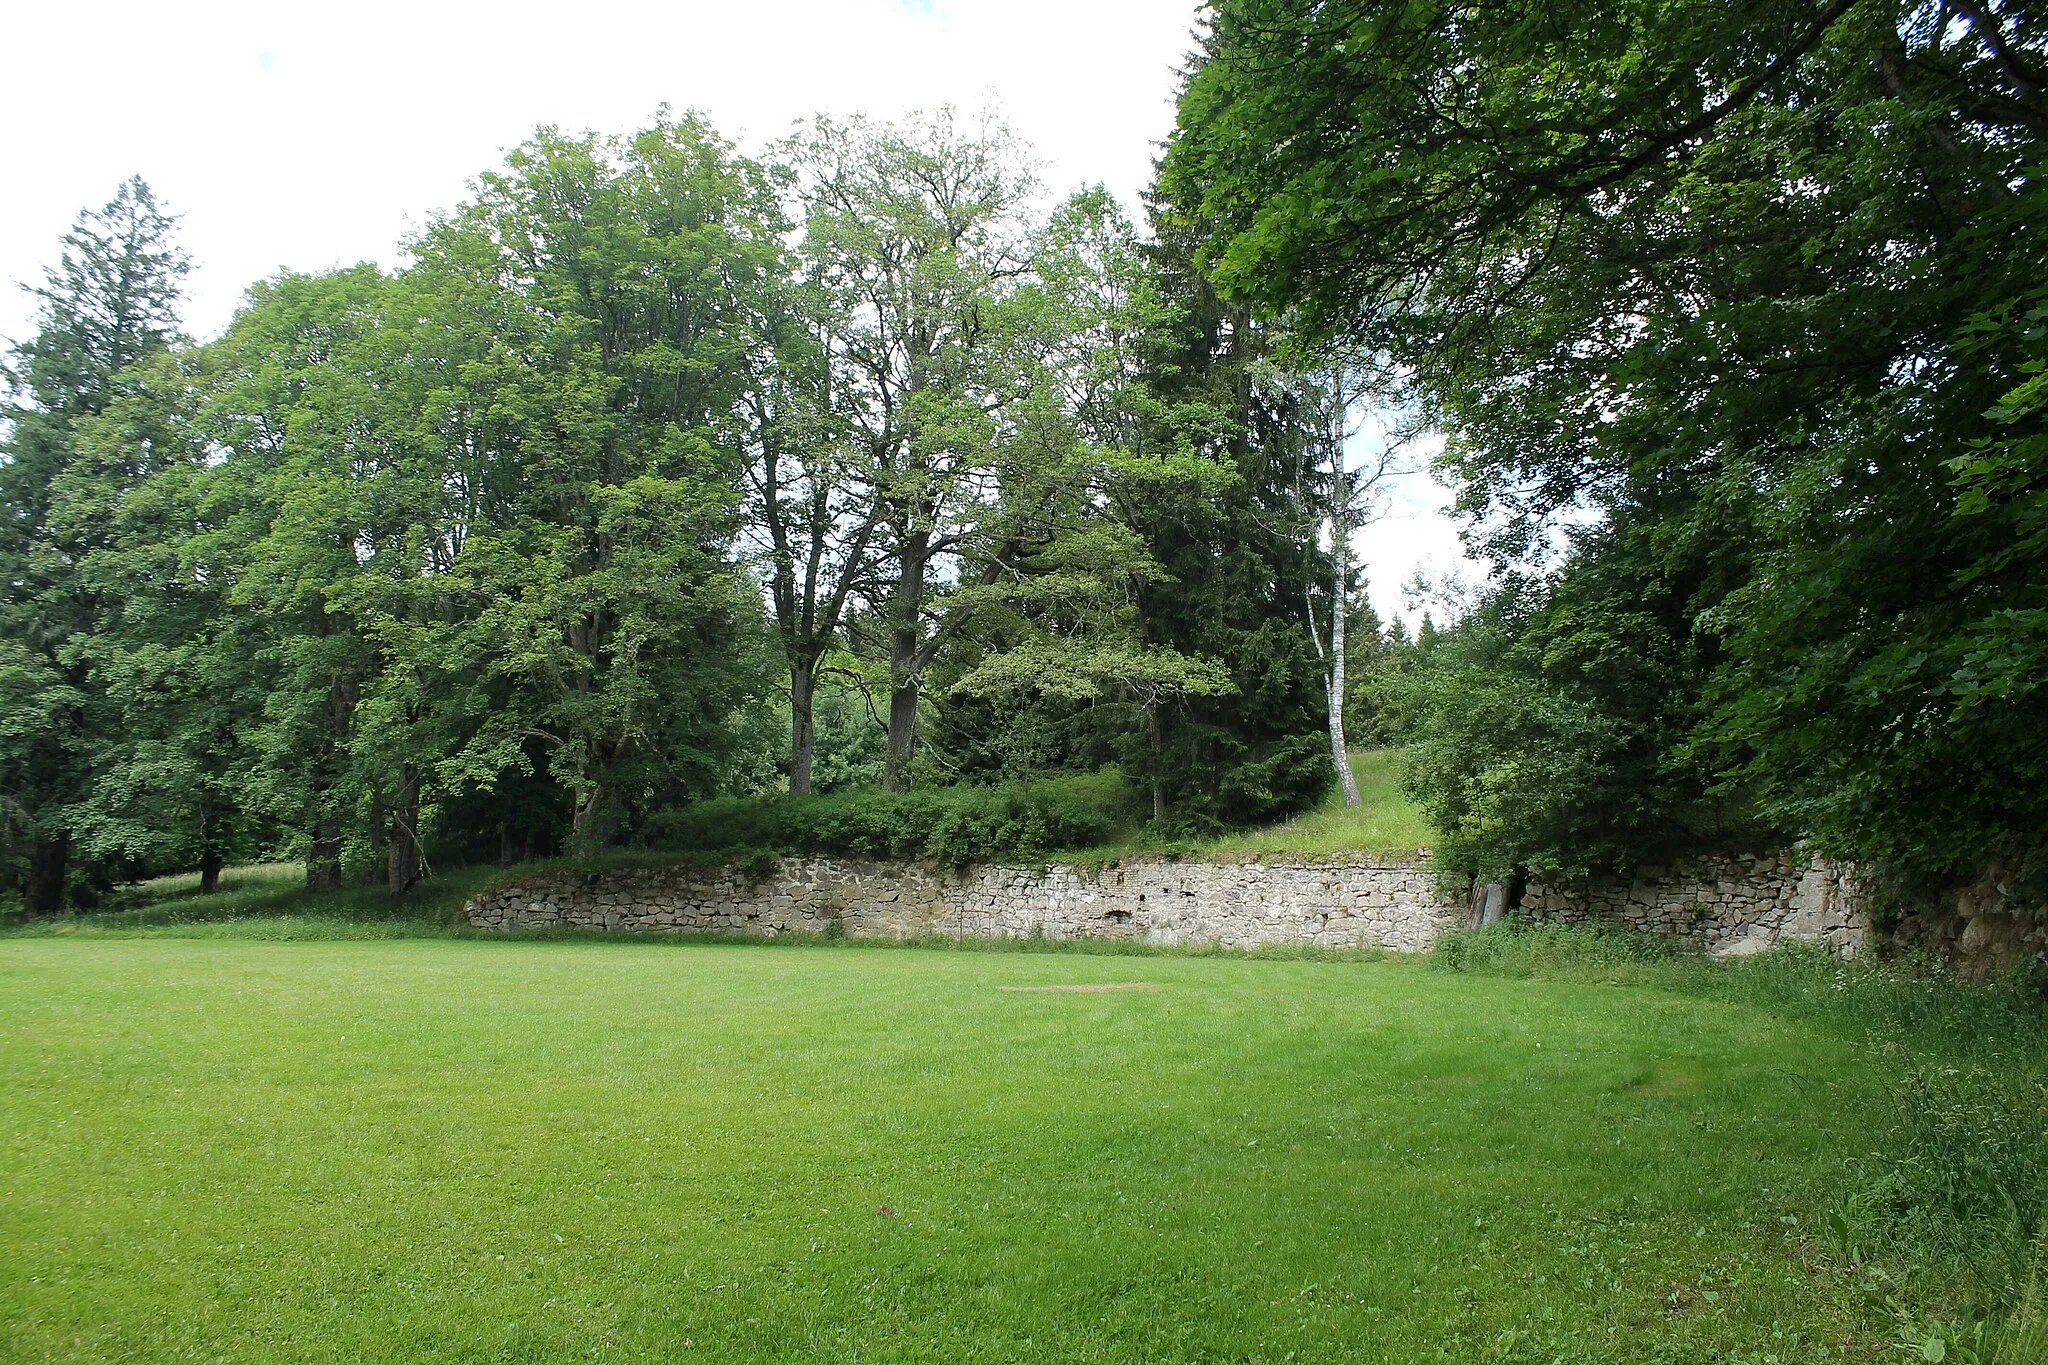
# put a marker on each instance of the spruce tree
(109, 302)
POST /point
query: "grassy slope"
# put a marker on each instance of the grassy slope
(269, 901)
(1384, 824)
(1385, 821)
(538, 1151)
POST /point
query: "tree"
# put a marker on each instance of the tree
(1236, 565)
(1745, 285)
(1344, 489)
(482, 512)
(108, 304)
(176, 679)
(326, 503)
(815, 499)
(1065, 645)
(602, 306)
(915, 238)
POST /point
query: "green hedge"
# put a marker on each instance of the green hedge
(949, 824)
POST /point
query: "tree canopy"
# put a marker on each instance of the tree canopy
(1733, 317)
(657, 473)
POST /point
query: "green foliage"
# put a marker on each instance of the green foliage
(603, 294)
(400, 556)
(1515, 769)
(1881, 690)
(918, 249)
(1236, 557)
(493, 555)
(1550, 728)
(953, 825)
(1749, 295)
(108, 304)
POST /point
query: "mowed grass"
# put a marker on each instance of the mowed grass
(525, 1151)
(1385, 822)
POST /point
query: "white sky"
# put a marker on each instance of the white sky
(310, 136)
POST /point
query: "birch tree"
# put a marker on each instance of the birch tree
(1354, 483)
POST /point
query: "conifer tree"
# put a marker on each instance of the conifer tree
(109, 302)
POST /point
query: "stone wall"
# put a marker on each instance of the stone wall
(1725, 905)
(1241, 903)
(1984, 928)
(1720, 905)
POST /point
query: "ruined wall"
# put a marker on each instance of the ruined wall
(1726, 904)
(1720, 905)
(1237, 904)
(1986, 927)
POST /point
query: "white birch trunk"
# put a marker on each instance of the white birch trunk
(1340, 582)
(1340, 557)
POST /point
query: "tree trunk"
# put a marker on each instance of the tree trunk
(594, 823)
(803, 689)
(323, 856)
(902, 734)
(1340, 753)
(402, 856)
(1155, 734)
(1340, 603)
(211, 856)
(905, 672)
(49, 864)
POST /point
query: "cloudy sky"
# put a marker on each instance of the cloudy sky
(310, 136)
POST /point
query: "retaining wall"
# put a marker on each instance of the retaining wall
(1985, 927)
(1238, 904)
(1727, 905)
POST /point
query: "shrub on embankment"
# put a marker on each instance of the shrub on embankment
(949, 824)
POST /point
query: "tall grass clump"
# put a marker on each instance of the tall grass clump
(1516, 947)
(1952, 1210)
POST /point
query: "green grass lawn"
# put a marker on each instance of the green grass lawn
(533, 1151)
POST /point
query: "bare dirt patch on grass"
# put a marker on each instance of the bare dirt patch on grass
(1093, 986)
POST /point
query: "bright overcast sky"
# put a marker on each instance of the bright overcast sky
(311, 136)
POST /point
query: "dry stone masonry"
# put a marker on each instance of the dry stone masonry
(1984, 928)
(1726, 905)
(1235, 904)
(1729, 905)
